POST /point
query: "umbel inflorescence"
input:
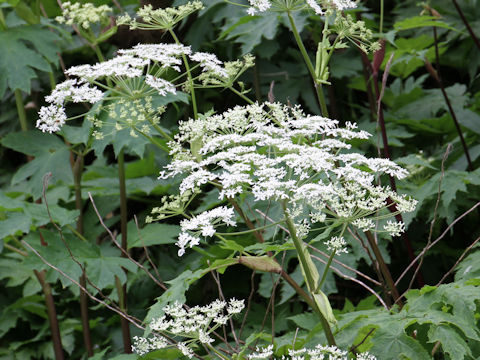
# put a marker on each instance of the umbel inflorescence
(141, 72)
(186, 328)
(278, 153)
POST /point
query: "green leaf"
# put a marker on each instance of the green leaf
(77, 134)
(469, 268)
(51, 156)
(305, 321)
(176, 292)
(19, 58)
(265, 26)
(152, 234)
(103, 270)
(421, 21)
(389, 344)
(452, 343)
(13, 223)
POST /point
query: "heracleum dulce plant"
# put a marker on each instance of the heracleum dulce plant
(261, 153)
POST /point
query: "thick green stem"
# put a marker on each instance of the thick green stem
(384, 269)
(122, 290)
(311, 285)
(52, 315)
(22, 115)
(311, 69)
(189, 74)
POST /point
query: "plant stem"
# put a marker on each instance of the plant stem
(256, 83)
(52, 315)
(311, 69)
(98, 52)
(122, 290)
(22, 116)
(309, 277)
(380, 30)
(77, 181)
(467, 25)
(216, 352)
(189, 74)
(241, 95)
(384, 269)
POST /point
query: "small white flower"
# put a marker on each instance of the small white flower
(51, 118)
(235, 306)
(262, 353)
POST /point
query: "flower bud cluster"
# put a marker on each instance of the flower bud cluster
(83, 14)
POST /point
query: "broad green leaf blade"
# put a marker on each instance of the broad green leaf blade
(14, 222)
(175, 292)
(421, 21)
(452, 343)
(18, 57)
(152, 234)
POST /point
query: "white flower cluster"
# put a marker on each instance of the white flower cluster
(83, 14)
(337, 244)
(52, 117)
(204, 224)
(278, 153)
(319, 7)
(320, 352)
(160, 19)
(129, 64)
(193, 325)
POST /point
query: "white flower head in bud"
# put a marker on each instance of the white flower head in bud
(83, 14)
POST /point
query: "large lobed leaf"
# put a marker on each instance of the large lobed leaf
(25, 48)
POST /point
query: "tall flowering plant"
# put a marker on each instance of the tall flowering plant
(262, 153)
